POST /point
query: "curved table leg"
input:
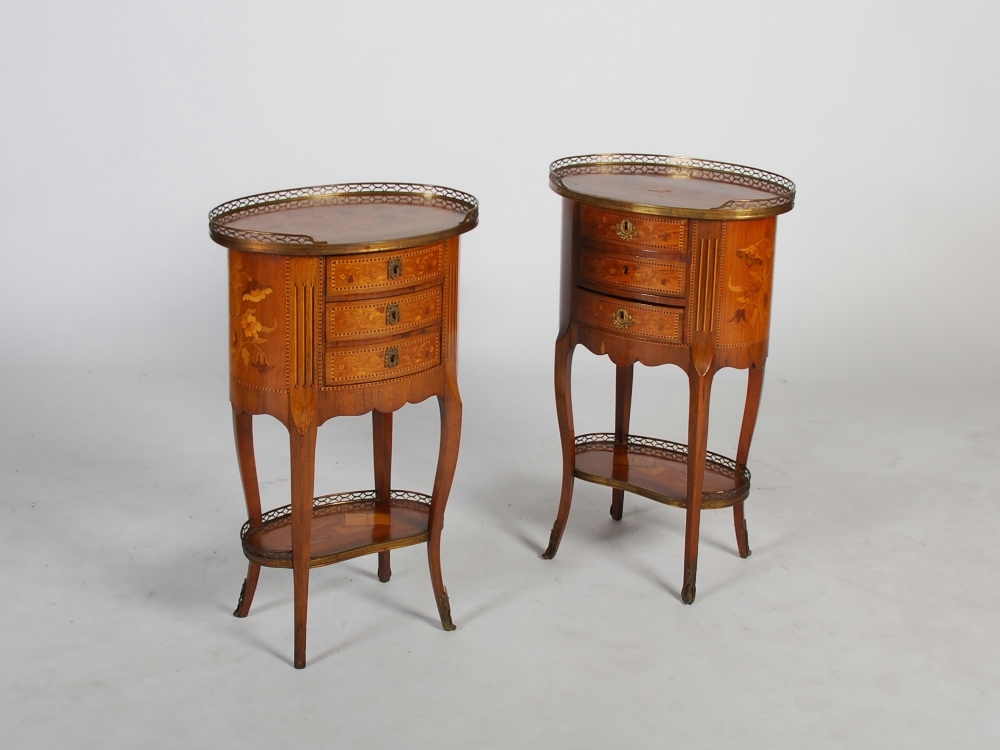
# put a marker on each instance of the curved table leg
(701, 390)
(451, 432)
(623, 410)
(243, 430)
(564, 411)
(755, 384)
(382, 440)
(303, 460)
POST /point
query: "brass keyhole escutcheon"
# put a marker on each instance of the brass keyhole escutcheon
(626, 230)
(621, 318)
(395, 268)
(391, 357)
(392, 314)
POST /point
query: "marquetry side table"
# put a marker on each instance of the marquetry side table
(343, 300)
(665, 260)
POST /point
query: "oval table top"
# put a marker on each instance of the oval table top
(672, 186)
(344, 218)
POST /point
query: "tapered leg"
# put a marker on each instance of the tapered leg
(247, 591)
(451, 434)
(382, 430)
(755, 384)
(303, 460)
(701, 389)
(623, 410)
(243, 430)
(564, 412)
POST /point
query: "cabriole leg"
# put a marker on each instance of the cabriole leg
(564, 412)
(755, 385)
(623, 410)
(243, 430)
(451, 434)
(701, 389)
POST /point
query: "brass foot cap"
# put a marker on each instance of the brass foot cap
(687, 593)
(239, 604)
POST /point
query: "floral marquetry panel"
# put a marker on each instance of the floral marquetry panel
(745, 302)
(257, 320)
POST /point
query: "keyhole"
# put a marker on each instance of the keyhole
(626, 270)
(392, 314)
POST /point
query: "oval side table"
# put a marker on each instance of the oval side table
(665, 260)
(342, 301)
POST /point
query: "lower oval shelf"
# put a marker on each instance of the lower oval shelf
(657, 469)
(344, 525)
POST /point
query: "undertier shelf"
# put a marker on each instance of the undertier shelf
(344, 525)
(657, 469)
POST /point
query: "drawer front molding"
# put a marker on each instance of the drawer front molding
(391, 359)
(383, 316)
(346, 275)
(631, 318)
(633, 230)
(630, 273)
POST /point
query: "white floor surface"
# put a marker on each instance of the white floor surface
(867, 616)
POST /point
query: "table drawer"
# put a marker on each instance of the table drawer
(629, 273)
(360, 273)
(391, 359)
(630, 318)
(634, 230)
(383, 316)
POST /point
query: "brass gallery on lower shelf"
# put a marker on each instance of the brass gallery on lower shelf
(362, 503)
(666, 456)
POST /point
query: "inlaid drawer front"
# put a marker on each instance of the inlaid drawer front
(383, 316)
(632, 229)
(629, 273)
(630, 318)
(383, 270)
(396, 357)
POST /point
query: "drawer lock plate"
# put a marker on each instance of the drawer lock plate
(626, 230)
(621, 318)
(392, 314)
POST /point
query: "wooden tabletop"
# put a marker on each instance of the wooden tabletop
(672, 186)
(341, 219)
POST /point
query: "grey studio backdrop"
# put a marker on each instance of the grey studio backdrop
(867, 614)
